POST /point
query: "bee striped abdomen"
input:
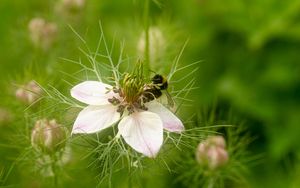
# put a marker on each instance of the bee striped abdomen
(151, 93)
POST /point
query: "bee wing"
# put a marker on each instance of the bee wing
(170, 100)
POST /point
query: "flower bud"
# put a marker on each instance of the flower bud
(211, 153)
(73, 5)
(156, 44)
(42, 33)
(217, 141)
(5, 116)
(48, 136)
(70, 8)
(29, 93)
(216, 157)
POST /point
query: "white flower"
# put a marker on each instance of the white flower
(141, 126)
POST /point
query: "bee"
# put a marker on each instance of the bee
(155, 90)
(160, 81)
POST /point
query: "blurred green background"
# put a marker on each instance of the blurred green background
(251, 66)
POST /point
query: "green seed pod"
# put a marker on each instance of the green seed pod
(48, 136)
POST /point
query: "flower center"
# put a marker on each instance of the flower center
(131, 93)
(132, 88)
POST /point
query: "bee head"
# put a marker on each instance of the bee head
(160, 81)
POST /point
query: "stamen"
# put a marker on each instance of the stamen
(121, 109)
(116, 90)
(130, 109)
(140, 105)
(108, 90)
(132, 87)
(143, 107)
(114, 101)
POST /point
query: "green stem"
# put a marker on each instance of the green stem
(211, 183)
(146, 28)
(54, 170)
(129, 181)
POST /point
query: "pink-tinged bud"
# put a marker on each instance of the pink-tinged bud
(70, 7)
(73, 5)
(217, 141)
(201, 152)
(42, 33)
(5, 116)
(29, 93)
(157, 44)
(48, 136)
(211, 152)
(216, 157)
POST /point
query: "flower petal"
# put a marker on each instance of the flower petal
(92, 92)
(170, 121)
(95, 118)
(143, 131)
